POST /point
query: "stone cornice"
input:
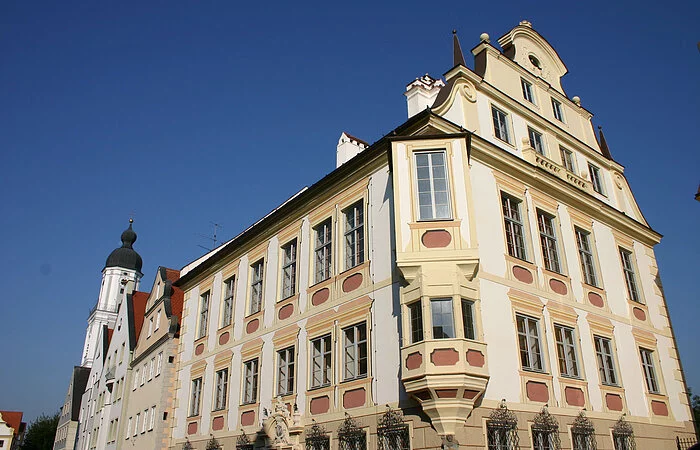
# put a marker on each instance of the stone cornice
(486, 153)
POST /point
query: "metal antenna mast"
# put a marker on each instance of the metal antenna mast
(213, 238)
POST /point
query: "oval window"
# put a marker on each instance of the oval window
(535, 62)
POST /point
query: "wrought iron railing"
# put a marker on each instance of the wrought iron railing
(685, 443)
(623, 435)
(583, 433)
(545, 431)
(351, 436)
(392, 431)
(317, 437)
(502, 429)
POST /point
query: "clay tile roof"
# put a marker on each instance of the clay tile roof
(13, 419)
(353, 138)
(139, 300)
(172, 274)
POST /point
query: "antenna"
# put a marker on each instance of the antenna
(213, 238)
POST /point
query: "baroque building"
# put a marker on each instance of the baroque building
(480, 277)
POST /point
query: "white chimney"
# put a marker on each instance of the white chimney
(348, 147)
(422, 93)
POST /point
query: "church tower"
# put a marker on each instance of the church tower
(120, 276)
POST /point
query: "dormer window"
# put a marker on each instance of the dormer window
(557, 111)
(535, 62)
(528, 92)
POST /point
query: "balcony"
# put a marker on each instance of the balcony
(109, 376)
(530, 155)
(446, 376)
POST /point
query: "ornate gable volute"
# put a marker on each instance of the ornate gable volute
(530, 50)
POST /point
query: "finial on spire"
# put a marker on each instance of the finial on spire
(131, 220)
(603, 144)
(457, 56)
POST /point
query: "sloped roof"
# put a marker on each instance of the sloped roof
(13, 419)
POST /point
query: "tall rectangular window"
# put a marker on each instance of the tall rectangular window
(196, 396)
(151, 368)
(585, 253)
(323, 250)
(150, 327)
(468, 319)
(250, 381)
(152, 420)
(649, 372)
(528, 93)
(415, 311)
(136, 379)
(548, 241)
(128, 428)
(256, 286)
(157, 319)
(529, 342)
(227, 313)
(500, 124)
(443, 318)
(514, 226)
(203, 315)
(355, 352)
(136, 424)
(567, 159)
(557, 110)
(289, 269)
(596, 178)
(630, 277)
(354, 235)
(606, 362)
(321, 359)
(566, 351)
(221, 389)
(536, 140)
(144, 424)
(285, 371)
(433, 186)
(159, 363)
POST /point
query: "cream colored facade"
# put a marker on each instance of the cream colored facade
(551, 318)
(151, 396)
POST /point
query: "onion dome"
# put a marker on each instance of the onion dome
(125, 256)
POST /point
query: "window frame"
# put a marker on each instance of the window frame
(196, 396)
(606, 361)
(229, 292)
(468, 323)
(501, 121)
(288, 269)
(286, 371)
(568, 159)
(527, 90)
(323, 250)
(354, 235)
(432, 179)
(325, 357)
(442, 314)
(528, 336)
(557, 110)
(549, 244)
(586, 256)
(651, 378)
(257, 286)
(629, 272)
(251, 376)
(538, 142)
(355, 347)
(415, 321)
(596, 176)
(221, 379)
(570, 362)
(203, 322)
(512, 224)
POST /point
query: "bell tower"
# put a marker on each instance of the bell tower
(120, 277)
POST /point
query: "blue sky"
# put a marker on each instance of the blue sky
(192, 112)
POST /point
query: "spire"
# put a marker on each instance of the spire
(603, 144)
(125, 256)
(457, 57)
